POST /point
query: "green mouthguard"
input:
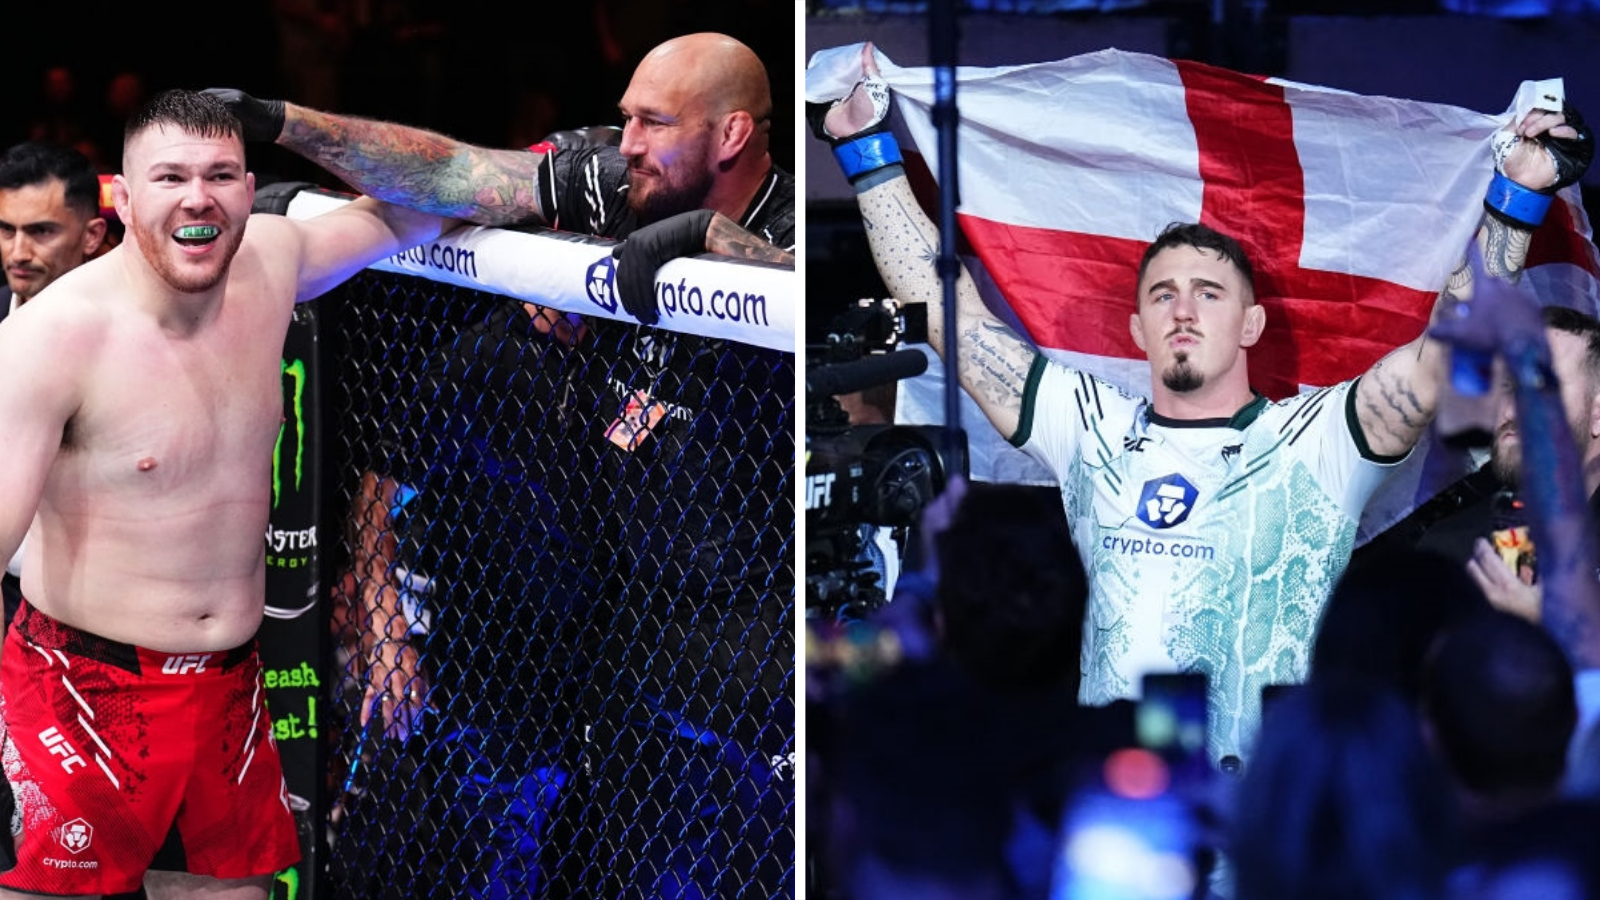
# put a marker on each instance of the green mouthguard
(198, 232)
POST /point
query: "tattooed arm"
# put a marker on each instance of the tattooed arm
(1396, 398)
(724, 236)
(992, 359)
(417, 168)
(423, 170)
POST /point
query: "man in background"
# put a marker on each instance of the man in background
(1480, 521)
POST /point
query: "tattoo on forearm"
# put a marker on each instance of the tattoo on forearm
(420, 169)
(727, 238)
(923, 245)
(1459, 285)
(904, 254)
(994, 359)
(1456, 289)
(1505, 249)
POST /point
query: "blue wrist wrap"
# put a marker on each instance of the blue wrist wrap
(867, 153)
(1515, 203)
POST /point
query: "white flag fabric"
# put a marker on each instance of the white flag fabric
(1354, 209)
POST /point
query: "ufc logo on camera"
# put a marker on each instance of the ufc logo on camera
(819, 490)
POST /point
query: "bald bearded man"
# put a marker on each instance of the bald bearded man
(696, 116)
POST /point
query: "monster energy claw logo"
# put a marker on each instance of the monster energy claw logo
(296, 372)
(289, 879)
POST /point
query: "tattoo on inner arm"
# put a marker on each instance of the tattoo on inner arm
(990, 369)
(1455, 290)
(904, 254)
(923, 248)
(994, 359)
(1459, 284)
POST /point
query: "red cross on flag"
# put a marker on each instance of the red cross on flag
(1354, 209)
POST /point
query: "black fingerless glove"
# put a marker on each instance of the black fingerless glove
(261, 120)
(1524, 207)
(647, 250)
(1572, 155)
(869, 150)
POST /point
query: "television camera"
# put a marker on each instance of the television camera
(862, 478)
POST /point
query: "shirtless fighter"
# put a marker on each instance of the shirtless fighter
(136, 455)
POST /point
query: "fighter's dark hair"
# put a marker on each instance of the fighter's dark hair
(1200, 237)
(193, 112)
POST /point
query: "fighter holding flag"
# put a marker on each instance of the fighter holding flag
(1214, 522)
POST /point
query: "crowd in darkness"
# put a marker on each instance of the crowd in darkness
(486, 73)
(1436, 750)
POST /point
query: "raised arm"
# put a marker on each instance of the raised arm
(404, 165)
(1397, 397)
(725, 237)
(992, 360)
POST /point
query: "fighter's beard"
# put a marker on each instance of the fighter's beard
(668, 200)
(1182, 378)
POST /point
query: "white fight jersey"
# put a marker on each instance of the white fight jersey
(1211, 546)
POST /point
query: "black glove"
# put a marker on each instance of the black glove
(262, 120)
(1524, 207)
(1571, 155)
(647, 250)
(876, 88)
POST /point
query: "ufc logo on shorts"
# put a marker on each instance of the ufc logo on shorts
(57, 744)
(183, 665)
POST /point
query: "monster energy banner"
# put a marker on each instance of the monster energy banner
(293, 646)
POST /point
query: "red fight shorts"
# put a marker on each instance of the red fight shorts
(123, 759)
